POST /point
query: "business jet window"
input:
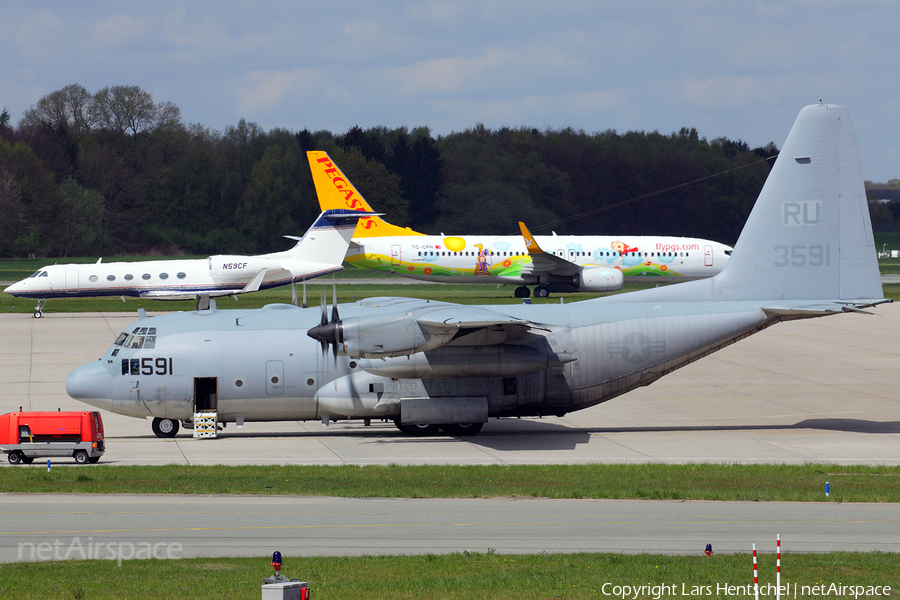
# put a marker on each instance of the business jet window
(181, 276)
(110, 277)
(38, 273)
(163, 275)
(93, 278)
(145, 276)
(129, 277)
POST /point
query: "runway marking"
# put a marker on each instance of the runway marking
(655, 522)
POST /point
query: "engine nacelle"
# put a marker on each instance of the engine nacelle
(599, 279)
(226, 267)
(378, 336)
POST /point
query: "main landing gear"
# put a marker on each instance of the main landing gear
(539, 292)
(457, 429)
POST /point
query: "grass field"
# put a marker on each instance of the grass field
(787, 483)
(460, 576)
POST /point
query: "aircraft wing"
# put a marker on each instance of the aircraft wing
(403, 327)
(544, 263)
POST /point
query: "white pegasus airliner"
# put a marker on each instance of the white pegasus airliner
(564, 263)
(319, 252)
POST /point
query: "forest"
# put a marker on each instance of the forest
(117, 173)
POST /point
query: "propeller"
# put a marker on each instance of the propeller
(328, 332)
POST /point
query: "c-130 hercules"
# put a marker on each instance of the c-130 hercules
(806, 251)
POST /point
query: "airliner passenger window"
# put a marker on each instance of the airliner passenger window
(163, 275)
(181, 276)
(129, 277)
(93, 278)
(110, 277)
(145, 276)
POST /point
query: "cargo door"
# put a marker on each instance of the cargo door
(206, 417)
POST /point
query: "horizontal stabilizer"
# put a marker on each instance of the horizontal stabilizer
(827, 308)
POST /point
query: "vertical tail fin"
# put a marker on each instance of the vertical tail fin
(809, 236)
(325, 242)
(336, 192)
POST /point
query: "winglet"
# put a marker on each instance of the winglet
(336, 192)
(530, 243)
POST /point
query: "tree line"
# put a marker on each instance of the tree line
(116, 172)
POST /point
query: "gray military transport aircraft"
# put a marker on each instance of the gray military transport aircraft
(806, 251)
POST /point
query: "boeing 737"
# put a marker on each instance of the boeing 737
(806, 251)
(580, 263)
(319, 252)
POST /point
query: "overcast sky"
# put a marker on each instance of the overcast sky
(741, 69)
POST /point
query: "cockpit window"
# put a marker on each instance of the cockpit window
(38, 273)
(140, 337)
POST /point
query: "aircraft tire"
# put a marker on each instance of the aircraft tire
(417, 430)
(164, 428)
(14, 458)
(81, 457)
(541, 292)
(462, 429)
(522, 292)
(38, 314)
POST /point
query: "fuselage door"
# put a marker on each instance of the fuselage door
(708, 256)
(395, 254)
(71, 281)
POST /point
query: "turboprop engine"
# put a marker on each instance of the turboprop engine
(381, 336)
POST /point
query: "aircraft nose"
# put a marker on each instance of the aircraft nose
(91, 384)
